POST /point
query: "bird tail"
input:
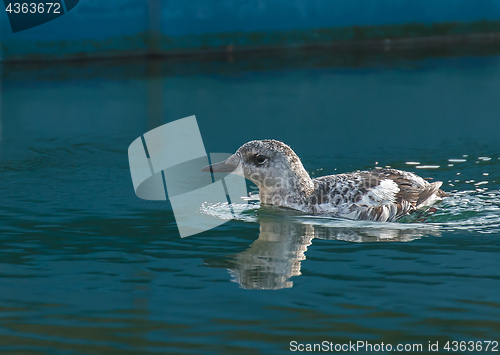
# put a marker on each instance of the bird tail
(430, 194)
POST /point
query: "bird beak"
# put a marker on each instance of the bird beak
(226, 166)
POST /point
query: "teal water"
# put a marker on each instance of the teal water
(88, 268)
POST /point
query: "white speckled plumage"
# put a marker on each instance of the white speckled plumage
(377, 195)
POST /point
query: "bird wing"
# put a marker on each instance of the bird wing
(378, 195)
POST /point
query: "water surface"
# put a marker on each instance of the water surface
(88, 268)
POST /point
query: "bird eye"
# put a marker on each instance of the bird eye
(260, 159)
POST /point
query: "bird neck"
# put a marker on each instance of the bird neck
(291, 190)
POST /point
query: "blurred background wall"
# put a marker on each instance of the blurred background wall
(98, 28)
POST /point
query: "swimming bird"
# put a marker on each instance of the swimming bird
(376, 195)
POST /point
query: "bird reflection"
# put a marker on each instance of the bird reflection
(273, 258)
(276, 255)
